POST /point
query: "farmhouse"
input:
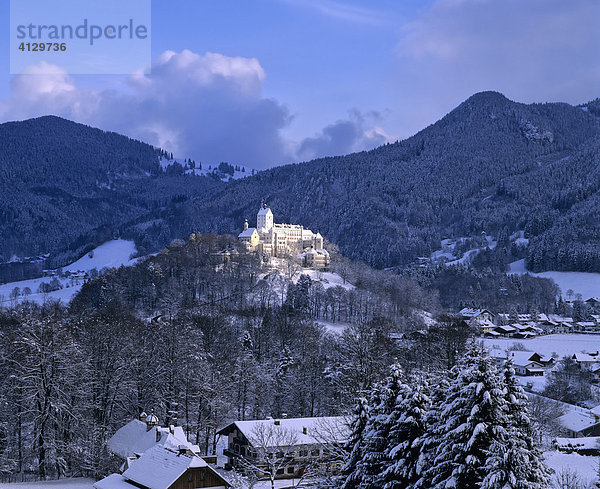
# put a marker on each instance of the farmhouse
(139, 435)
(526, 363)
(162, 468)
(297, 444)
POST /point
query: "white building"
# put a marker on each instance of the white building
(280, 239)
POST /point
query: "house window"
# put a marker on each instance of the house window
(190, 477)
(304, 453)
(291, 470)
(202, 475)
(315, 453)
(280, 472)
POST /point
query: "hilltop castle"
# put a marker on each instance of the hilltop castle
(281, 239)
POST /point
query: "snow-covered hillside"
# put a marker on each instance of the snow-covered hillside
(111, 254)
(224, 171)
(586, 284)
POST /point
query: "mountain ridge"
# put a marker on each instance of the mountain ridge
(481, 167)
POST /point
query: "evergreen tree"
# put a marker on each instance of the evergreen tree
(355, 443)
(473, 418)
(406, 435)
(516, 462)
(374, 461)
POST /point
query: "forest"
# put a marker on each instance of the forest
(203, 333)
(489, 165)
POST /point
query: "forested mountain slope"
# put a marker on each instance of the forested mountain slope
(64, 185)
(490, 165)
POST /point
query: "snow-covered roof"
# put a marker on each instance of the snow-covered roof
(586, 442)
(506, 329)
(585, 358)
(264, 211)
(577, 420)
(333, 429)
(133, 438)
(113, 481)
(159, 468)
(469, 312)
(247, 233)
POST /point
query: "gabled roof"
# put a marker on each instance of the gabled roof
(159, 468)
(113, 481)
(318, 429)
(247, 233)
(133, 438)
(585, 358)
(264, 211)
(577, 420)
(470, 312)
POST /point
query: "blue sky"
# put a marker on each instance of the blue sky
(289, 80)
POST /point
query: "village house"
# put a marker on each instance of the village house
(580, 423)
(300, 443)
(586, 360)
(526, 363)
(162, 468)
(278, 240)
(141, 434)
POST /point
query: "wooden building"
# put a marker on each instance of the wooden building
(162, 468)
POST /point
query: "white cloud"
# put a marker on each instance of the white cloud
(208, 107)
(344, 136)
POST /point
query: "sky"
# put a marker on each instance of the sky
(268, 82)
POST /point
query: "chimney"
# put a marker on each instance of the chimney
(172, 429)
(304, 430)
(284, 415)
(277, 422)
(158, 435)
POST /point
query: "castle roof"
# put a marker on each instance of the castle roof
(264, 211)
(247, 233)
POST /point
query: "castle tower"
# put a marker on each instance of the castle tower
(245, 224)
(264, 219)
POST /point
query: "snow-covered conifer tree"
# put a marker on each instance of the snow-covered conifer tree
(406, 435)
(369, 471)
(516, 462)
(355, 443)
(472, 418)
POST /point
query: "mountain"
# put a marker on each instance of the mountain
(65, 186)
(490, 165)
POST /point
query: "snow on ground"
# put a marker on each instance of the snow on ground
(110, 254)
(586, 284)
(585, 466)
(113, 253)
(335, 328)
(547, 345)
(327, 279)
(77, 483)
(205, 171)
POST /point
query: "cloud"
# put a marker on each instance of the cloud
(532, 51)
(343, 137)
(208, 107)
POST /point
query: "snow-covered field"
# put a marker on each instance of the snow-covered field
(58, 484)
(548, 345)
(586, 467)
(586, 284)
(111, 254)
